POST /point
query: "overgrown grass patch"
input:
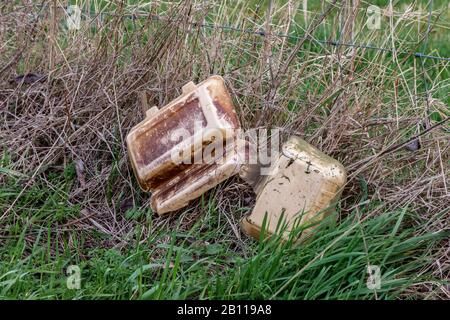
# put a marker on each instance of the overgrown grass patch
(67, 191)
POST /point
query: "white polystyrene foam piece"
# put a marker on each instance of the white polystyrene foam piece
(209, 110)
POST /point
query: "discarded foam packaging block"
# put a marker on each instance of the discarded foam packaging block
(166, 148)
(302, 186)
(302, 180)
(195, 181)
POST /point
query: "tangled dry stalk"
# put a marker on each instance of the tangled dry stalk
(369, 110)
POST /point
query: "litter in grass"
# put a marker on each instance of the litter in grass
(302, 179)
(303, 186)
(164, 147)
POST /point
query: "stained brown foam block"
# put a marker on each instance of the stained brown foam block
(302, 186)
(195, 181)
(166, 149)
